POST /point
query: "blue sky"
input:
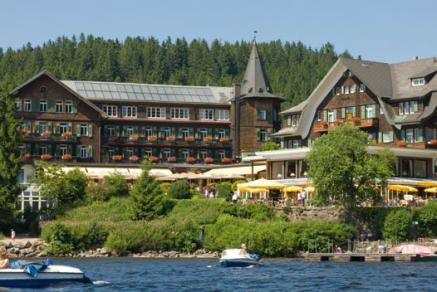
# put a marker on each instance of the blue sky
(384, 30)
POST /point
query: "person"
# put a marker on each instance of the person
(13, 235)
(235, 198)
(303, 197)
(4, 262)
(243, 250)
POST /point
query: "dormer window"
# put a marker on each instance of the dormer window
(408, 107)
(418, 82)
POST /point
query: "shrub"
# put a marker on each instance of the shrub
(235, 184)
(397, 225)
(96, 192)
(59, 238)
(165, 187)
(258, 212)
(224, 190)
(427, 219)
(180, 189)
(115, 185)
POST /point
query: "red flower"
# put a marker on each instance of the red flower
(191, 159)
(208, 160)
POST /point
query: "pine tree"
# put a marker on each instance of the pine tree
(9, 159)
(147, 197)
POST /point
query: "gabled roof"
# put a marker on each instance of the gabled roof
(255, 82)
(48, 74)
(160, 93)
(297, 108)
(389, 82)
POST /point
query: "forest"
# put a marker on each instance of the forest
(293, 68)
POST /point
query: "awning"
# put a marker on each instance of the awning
(417, 182)
(309, 189)
(126, 172)
(431, 190)
(253, 190)
(262, 183)
(402, 188)
(292, 189)
(231, 171)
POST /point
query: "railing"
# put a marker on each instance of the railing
(51, 138)
(144, 141)
(323, 126)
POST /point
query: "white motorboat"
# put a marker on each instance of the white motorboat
(238, 258)
(39, 274)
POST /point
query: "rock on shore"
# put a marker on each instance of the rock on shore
(25, 249)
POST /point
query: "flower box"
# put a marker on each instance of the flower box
(171, 138)
(190, 159)
(433, 142)
(117, 157)
(356, 120)
(25, 132)
(46, 157)
(207, 139)
(134, 158)
(25, 156)
(189, 139)
(134, 137)
(152, 138)
(338, 122)
(401, 143)
(67, 135)
(226, 160)
(208, 160)
(67, 157)
(153, 158)
(171, 159)
(46, 134)
(224, 139)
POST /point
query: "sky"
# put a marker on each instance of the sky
(380, 30)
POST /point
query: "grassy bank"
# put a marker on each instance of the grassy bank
(225, 225)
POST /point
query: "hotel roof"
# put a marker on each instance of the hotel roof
(138, 92)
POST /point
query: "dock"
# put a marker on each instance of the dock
(365, 257)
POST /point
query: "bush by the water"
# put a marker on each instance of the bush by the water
(397, 225)
(180, 189)
(258, 212)
(427, 219)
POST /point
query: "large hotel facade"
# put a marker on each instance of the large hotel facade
(394, 103)
(90, 122)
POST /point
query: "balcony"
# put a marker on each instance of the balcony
(170, 141)
(323, 126)
(46, 138)
(368, 123)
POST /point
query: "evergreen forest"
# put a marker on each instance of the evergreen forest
(293, 68)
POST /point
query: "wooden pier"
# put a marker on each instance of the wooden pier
(362, 257)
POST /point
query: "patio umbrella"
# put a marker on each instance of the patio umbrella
(291, 189)
(261, 183)
(309, 189)
(431, 190)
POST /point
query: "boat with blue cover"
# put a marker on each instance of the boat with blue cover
(239, 258)
(23, 274)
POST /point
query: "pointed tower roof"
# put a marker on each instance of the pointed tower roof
(255, 82)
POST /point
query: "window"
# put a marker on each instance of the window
(148, 132)
(43, 127)
(185, 153)
(412, 135)
(350, 112)
(129, 111)
(63, 149)
(179, 113)
(261, 114)
(184, 132)
(111, 110)
(221, 133)
(362, 87)
(206, 114)
(346, 89)
(387, 137)
(261, 135)
(353, 88)
(27, 105)
(332, 115)
(85, 151)
(59, 106)
(156, 112)
(62, 128)
(202, 133)
(43, 106)
(69, 106)
(408, 107)
(130, 131)
(44, 149)
(418, 81)
(370, 111)
(148, 152)
(202, 154)
(294, 120)
(18, 105)
(289, 119)
(84, 129)
(222, 115)
(221, 154)
(165, 132)
(166, 153)
(111, 131)
(129, 152)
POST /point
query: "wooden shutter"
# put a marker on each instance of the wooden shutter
(74, 106)
(343, 112)
(51, 106)
(403, 134)
(419, 135)
(90, 130)
(77, 128)
(36, 127)
(89, 151)
(35, 105)
(70, 127)
(363, 112)
(37, 150)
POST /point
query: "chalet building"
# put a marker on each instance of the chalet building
(394, 103)
(90, 122)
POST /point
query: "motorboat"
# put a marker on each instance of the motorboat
(236, 257)
(22, 274)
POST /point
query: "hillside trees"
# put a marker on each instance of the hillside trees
(293, 68)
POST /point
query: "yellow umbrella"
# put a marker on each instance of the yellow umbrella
(256, 190)
(309, 189)
(409, 189)
(293, 189)
(399, 188)
(261, 183)
(427, 184)
(431, 190)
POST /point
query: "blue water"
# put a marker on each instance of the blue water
(276, 275)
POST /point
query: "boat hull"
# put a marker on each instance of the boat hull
(238, 263)
(17, 278)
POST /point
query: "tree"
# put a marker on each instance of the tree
(224, 190)
(344, 172)
(270, 145)
(9, 159)
(147, 199)
(61, 189)
(180, 189)
(397, 225)
(115, 185)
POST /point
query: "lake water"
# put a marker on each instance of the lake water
(126, 274)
